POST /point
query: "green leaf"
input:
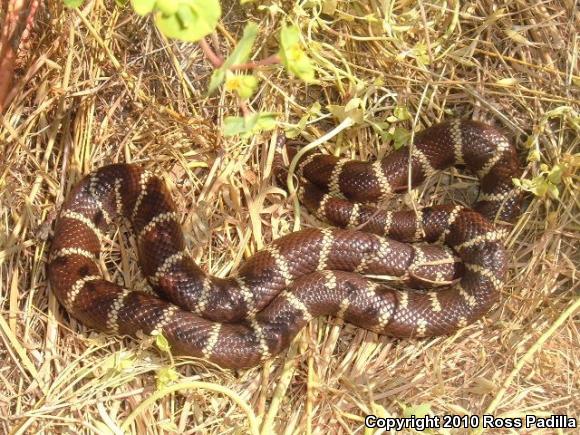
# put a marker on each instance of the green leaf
(420, 53)
(540, 188)
(248, 125)
(166, 376)
(294, 130)
(543, 185)
(537, 185)
(217, 78)
(553, 190)
(555, 174)
(234, 125)
(119, 362)
(400, 137)
(240, 55)
(329, 7)
(167, 6)
(419, 411)
(402, 113)
(73, 3)
(192, 20)
(353, 109)
(293, 56)
(266, 122)
(162, 343)
(243, 85)
(353, 104)
(534, 156)
(243, 48)
(143, 7)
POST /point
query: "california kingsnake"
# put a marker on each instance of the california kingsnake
(241, 320)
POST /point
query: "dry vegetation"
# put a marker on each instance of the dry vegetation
(101, 85)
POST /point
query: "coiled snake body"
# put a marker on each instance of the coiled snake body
(241, 320)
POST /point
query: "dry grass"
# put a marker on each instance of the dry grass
(103, 86)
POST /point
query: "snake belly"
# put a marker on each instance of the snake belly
(242, 320)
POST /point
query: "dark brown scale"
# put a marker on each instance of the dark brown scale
(277, 290)
(480, 143)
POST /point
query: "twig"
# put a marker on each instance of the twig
(214, 59)
(244, 108)
(270, 60)
(217, 60)
(15, 31)
(216, 45)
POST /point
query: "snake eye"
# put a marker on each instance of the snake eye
(60, 261)
(84, 271)
(156, 235)
(91, 286)
(99, 218)
(350, 288)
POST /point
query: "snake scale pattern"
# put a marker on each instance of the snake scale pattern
(252, 315)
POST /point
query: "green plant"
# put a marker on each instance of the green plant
(193, 20)
(549, 176)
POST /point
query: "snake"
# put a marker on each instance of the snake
(448, 261)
